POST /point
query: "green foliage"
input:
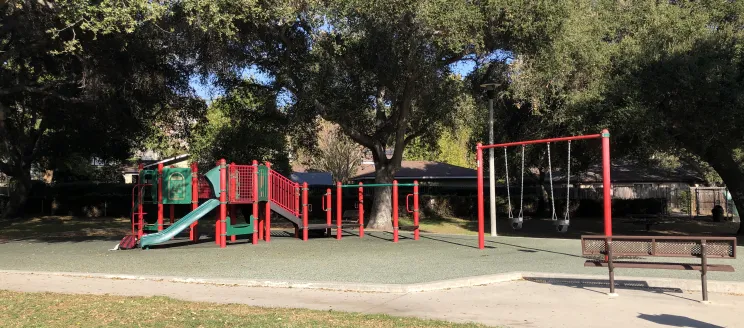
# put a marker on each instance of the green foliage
(244, 125)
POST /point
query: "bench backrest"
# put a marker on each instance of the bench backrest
(661, 246)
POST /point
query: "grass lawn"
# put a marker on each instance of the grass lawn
(58, 227)
(445, 225)
(63, 310)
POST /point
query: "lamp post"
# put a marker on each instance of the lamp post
(491, 92)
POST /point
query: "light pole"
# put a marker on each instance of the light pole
(491, 92)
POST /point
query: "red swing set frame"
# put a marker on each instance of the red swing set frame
(606, 185)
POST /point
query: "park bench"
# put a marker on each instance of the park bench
(607, 250)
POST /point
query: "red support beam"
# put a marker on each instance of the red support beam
(193, 233)
(479, 162)
(223, 203)
(338, 210)
(267, 222)
(531, 142)
(395, 211)
(254, 206)
(416, 209)
(326, 206)
(299, 212)
(304, 211)
(606, 182)
(160, 197)
(361, 210)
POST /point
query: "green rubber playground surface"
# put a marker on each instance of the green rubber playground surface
(373, 259)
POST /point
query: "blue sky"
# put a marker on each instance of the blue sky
(209, 92)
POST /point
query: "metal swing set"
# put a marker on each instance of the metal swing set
(517, 221)
(560, 223)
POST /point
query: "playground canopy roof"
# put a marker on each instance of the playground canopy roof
(421, 170)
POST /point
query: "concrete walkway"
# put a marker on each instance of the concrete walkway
(511, 304)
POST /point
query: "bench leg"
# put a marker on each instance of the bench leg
(611, 268)
(704, 272)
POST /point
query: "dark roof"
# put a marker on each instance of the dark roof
(629, 171)
(422, 170)
(313, 178)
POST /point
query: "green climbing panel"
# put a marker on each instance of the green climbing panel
(151, 192)
(176, 185)
(239, 229)
(263, 183)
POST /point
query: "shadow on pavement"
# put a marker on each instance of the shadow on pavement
(601, 283)
(676, 321)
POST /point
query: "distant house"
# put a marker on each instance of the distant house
(130, 172)
(631, 180)
(313, 179)
(428, 173)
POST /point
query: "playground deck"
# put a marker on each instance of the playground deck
(373, 259)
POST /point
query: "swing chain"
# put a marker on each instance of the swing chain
(508, 192)
(568, 182)
(550, 177)
(521, 188)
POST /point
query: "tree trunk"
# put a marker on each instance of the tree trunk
(731, 173)
(19, 190)
(381, 215)
(542, 201)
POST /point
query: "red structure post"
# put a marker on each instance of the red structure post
(254, 206)
(172, 213)
(160, 197)
(328, 208)
(141, 199)
(338, 210)
(193, 233)
(416, 210)
(479, 163)
(304, 211)
(217, 223)
(267, 222)
(232, 177)
(606, 182)
(395, 211)
(223, 203)
(361, 210)
(298, 212)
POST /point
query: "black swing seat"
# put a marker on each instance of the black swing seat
(561, 225)
(517, 223)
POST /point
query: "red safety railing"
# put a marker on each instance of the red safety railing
(283, 192)
(205, 191)
(241, 183)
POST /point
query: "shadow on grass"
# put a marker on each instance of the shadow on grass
(58, 229)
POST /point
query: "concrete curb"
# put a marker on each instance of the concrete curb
(600, 281)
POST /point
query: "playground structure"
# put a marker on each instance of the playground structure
(227, 186)
(562, 224)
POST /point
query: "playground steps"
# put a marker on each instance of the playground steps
(286, 214)
(240, 228)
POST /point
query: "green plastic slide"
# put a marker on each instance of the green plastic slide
(180, 225)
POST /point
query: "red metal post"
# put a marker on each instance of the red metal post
(193, 234)
(361, 210)
(160, 197)
(298, 212)
(479, 163)
(267, 222)
(304, 211)
(338, 210)
(233, 214)
(223, 203)
(254, 206)
(328, 207)
(395, 211)
(141, 198)
(416, 210)
(606, 182)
